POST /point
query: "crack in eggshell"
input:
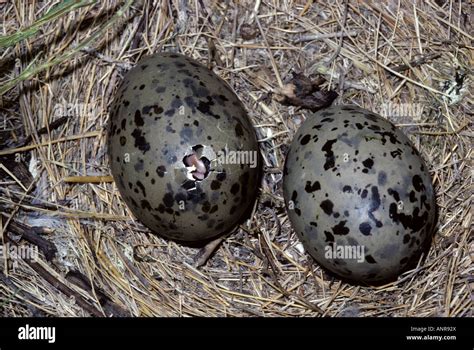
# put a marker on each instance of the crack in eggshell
(189, 111)
(193, 161)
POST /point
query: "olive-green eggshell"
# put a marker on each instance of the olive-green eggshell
(352, 180)
(165, 106)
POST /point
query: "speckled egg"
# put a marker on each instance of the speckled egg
(358, 194)
(183, 152)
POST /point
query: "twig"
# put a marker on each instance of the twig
(384, 66)
(31, 234)
(5, 169)
(270, 54)
(273, 272)
(22, 294)
(47, 143)
(416, 62)
(470, 37)
(343, 24)
(81, 281)
(53, 281)
(141, 25)
(440, 133)
(64, 289)
(205, 253)
(88, 179)
(314, 37)
(52, 126)
(93, 52)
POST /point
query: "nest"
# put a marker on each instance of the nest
(410, 62)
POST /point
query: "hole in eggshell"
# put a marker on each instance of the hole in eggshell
(198, 149)
(197, 165)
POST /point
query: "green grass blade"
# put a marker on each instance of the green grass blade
(33, 70)
(56, 12)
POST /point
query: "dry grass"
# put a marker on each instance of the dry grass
(260, 270)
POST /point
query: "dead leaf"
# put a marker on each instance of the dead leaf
(303, 92)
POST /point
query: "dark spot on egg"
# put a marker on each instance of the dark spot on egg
(161, 170)
(215, 185)
(305, 139)
(327, 206)
(238, 130)
(235, 188)
(365, 228)
(315, 186)
(168, 200)
(418, 183)
(370, 259)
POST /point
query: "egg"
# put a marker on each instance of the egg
(358, 194)
(182, 149)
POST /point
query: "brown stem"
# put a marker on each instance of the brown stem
(31, 234)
